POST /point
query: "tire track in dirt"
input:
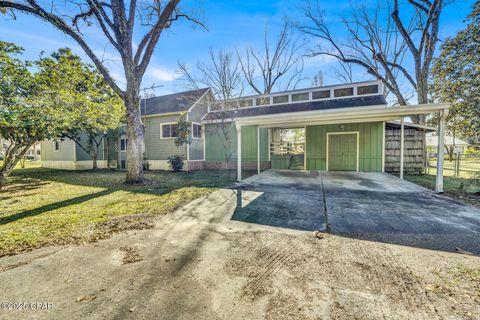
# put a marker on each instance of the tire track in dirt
(275, 262)
(385, 274)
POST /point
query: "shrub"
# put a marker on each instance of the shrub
(176, 162)
(472, 151)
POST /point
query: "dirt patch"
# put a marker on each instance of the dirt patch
(133, 222)
(130, 255)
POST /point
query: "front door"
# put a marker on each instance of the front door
(342, 152)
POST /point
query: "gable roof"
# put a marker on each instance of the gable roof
(449, 141)
(302, 106)
(176, 102)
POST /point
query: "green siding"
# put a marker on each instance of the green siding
(66, 153)
(214, 147)
(370, 151)
(279, 161)
(157, 148)
(82, 155)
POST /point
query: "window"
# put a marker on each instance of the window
(196, 130)
(371, 89)
(56, 146)
(324, 94)
(123, 144)
(169, 130)
(280, 99)
(300, 97)
(343, 92)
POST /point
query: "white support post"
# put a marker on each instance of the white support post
(402, 145)
(239, 152)
(258, 149)
(440, 150)
(269, 142)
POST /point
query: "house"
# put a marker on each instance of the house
(344, 129)
(459, 146)
(160, 116)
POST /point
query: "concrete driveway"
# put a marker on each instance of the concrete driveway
(205, 262)
(371, 206)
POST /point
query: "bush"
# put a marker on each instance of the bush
(176, 162)
(472, 151)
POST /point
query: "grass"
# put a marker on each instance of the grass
(463, 189)
(45, 207)
(468, 168)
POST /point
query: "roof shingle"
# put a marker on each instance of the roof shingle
(176, 102)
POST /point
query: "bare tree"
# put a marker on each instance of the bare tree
(222, 73)
(282, 60)
(119, 22)
(317, 80)
(379, 40)
(343, 72)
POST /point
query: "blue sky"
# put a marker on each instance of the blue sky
(232, 24)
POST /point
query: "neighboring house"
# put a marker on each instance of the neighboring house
(342, 128)
(33, 153)
(160, 115)
(459, 145)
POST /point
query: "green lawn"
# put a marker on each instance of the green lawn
(468, 168)
(44, 207)
(463, 189)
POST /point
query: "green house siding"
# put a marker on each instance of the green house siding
(370, 144)
(215, 142)
(82, 155)
(66, 152)
(157, 148)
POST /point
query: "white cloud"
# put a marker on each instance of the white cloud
(161, 74)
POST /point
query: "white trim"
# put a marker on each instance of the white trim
(188, 144)
(344, 132)
(402, 146)
(239, 152)
(269, 143)
(373, 113)
(159, 115)
(204, 141)
(198, 124)
(258, 149)
(161, 130)
(305, 151)
(440, 151)
(383, 147)
(310, 91)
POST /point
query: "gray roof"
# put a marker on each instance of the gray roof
(304, 106)
(176, 102)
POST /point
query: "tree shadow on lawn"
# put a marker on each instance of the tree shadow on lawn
(156, 182)
(53, 206)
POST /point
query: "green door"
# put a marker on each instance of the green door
(342, 152)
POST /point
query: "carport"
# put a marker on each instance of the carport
(348, 123)
(372, 206)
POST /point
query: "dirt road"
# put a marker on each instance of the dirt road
(199, 264)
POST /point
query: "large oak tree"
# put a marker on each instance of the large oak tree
(132, 28)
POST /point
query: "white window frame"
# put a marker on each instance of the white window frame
(358, 145)
(161, 129)
(59, 146)
(201, 131)
(125, 144)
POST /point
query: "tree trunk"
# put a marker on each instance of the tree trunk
(11, 159)
(135, 135)
(94, 154)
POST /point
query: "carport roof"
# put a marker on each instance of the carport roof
(299, 107)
